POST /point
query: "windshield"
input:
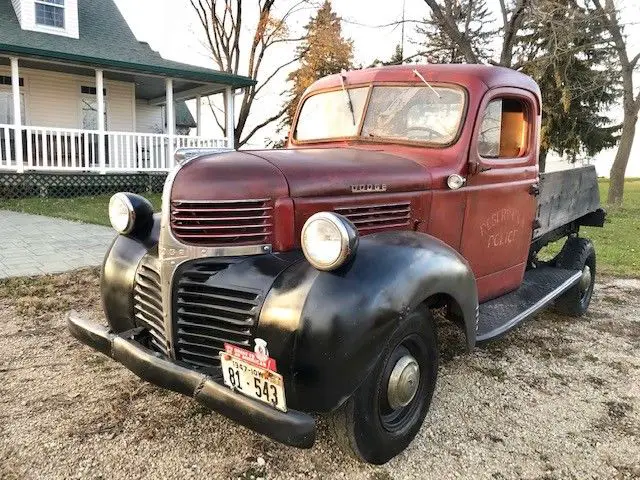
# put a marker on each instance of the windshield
(410, 113)
(328, 115)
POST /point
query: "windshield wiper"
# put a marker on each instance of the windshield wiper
(349, 103)
(417, 74)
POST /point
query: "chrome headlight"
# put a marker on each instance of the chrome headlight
(328, 240)
(130, 214)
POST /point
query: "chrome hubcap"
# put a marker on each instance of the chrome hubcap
(585, 279)
(403, 382)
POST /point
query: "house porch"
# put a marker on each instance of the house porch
(69, 117)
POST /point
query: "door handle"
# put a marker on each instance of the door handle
(534, 189)
(475, 168)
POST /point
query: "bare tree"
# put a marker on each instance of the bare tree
(630, 99)
(222, 22)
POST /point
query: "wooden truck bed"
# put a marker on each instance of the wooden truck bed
(565, 197)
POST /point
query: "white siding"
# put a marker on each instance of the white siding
(120, 103)
(27, 17)
(52, 99)
(149, 118)
(17, 6)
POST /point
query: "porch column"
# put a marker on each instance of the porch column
(198, 115)
(171, 119)
(229, 98)
(17, 114)
(101, 136)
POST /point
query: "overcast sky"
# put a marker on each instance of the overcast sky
(170, 27)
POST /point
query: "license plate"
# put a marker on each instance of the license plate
(244, 374)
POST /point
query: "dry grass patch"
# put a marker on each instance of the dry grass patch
(37, 297)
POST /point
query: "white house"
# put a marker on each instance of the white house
(78, 92)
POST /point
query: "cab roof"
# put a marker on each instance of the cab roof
(471, 76)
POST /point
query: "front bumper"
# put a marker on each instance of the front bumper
(292, 428)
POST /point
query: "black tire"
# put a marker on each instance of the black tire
(577, 254)
(366, 426)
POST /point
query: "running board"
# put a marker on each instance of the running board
(539, 288)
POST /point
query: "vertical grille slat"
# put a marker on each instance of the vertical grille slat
(147, 303)
(207, 316)
(230, 222)
(372, 218)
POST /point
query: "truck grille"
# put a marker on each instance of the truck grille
(147, 304)
(230, 222)
(207, 316)
(371, 218)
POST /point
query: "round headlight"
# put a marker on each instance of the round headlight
(121, 213)
(328, 240)
(131, 215)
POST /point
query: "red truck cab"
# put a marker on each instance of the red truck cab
(278, 284)
(490, 119)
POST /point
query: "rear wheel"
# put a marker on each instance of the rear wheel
(386, 412)
(577, 254)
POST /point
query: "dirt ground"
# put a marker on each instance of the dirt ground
(556, 398)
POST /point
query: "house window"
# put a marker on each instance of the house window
(50, 13)
(91, 90)
(5, 80)
(504, 129)
(6, 106)
(89, 106)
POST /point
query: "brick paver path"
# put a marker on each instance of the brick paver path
(33, 244)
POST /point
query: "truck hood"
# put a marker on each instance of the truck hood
(296, 173)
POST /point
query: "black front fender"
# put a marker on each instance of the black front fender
(118, 276)
(329, 328)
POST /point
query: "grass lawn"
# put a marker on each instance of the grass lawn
(82, 209)
(617, 245)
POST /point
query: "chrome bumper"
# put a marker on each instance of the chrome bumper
(293, 428)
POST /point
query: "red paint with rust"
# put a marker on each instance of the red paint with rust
(489, 220)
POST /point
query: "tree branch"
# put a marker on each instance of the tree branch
(215, 115)
(263, 124)
(275, 72)
(448, 26)
(511, 27)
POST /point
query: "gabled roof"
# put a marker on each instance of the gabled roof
(105, 41)
(183, 116)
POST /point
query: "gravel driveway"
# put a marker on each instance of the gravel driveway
(557, 398)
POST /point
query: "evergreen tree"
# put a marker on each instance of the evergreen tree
(323, 52)
(560, 43)
(564, 50)
(396, 59)
(471, 18)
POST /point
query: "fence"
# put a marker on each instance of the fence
(76, 184)
(68, 149)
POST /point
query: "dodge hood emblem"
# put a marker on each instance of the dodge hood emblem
(368, 187)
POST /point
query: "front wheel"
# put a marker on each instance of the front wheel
(386, 412)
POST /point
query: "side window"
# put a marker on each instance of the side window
(504, 129)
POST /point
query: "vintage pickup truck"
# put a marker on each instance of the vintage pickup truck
(280, 284)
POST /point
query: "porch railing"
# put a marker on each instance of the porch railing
(60, 149)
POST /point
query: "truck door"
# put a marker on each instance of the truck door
(500, 207)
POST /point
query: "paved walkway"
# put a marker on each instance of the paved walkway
(33, 244)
